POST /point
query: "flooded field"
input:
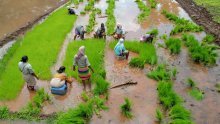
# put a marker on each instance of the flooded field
(144, 94)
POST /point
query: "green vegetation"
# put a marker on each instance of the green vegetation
(191, 83)
(35, 45)
(98, 11)
(171, 102)
(195, 92)
(153, 3)
(182, 25)
(217, 86)
(153, 31)
(145, 11)
(95, 55)
(30, 112)
(84, 96)
(89, 6)
(213, 6)
(174, 45)
(126, 108)
(82, 13)
(159, 115)
(200, 53)
(147, 53)
(82, 113)
(92, 23)
(81, 1)
(111, 21)
(75, 2)
(208, 39)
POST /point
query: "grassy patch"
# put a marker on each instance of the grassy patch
(174, 45)
(111, 21)
(75, 2)
(159, 115)
(153, 3)
(213, 6)
(89, 6)
(153, 31)
(4, 112)
(126, 108)
(182, 25)
(217, 86)
(145, 11)
(147, 53)
(197, 94)
(200, 53)
(35, 44)
(161, 73)
(92, 22)
(95, 55)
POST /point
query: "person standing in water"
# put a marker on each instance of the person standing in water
(82, 61)
(28, 73)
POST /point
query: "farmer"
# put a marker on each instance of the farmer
(60, 78)
(71, 11)
(147, 38)
(81, 60)
(100, 33)
(79, 31)
(119, 33)
(28, 73)
(120, 49)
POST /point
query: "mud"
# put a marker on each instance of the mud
(17, 17)
(202, 17)
(143, 95)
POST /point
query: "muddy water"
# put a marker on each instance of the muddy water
(15, 14)
(143, 95)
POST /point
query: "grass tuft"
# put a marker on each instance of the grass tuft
(159, 115)
(4, 112)
(126, 108)
(111, 21)
(145, 11)
(174, 45)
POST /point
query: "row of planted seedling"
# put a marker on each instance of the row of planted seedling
(30, 112)
(76, 2)
(111, 21)
(171, 102)
(145, 11)
(92, 20)
(181, 24)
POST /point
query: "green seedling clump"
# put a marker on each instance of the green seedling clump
(174, 45)
(147, 52)
(182, 25)
(98, 11)
(208, 39)
(154, 32)
(4, 112)
(200, 53)
(217, 86)
(197, 94)
(75, 2)
(95, 56)
(126, 108)
(35, 45)
(111, 21)
(89, 6)
(160, 73)
(153, 3)
(159, 115)
(82, 13)
(92, 23)
(81, 1)
(191, 83)
(145, 11)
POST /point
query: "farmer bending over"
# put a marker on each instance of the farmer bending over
(120, 49)
(100, 33)
(60, 78)
(119, 33)
(79, 32)
(28, 73)
(147, 38)
(81, 60)
(71, 11)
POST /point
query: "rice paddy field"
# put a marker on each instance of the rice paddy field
(173, 80)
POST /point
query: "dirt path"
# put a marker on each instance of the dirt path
(202, 17)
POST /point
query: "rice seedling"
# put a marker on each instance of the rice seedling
(137, 62)
(197, 94)
(145, 11)
(89, 6)
(75, 2)
(154, 32)
(159, 115)
(98, 11)
(200, 53)
(81, 1)
(174, 72)
(179, 115)
(82, 13)
(191, 83)
(84, 96)
(126, 108)
(35, 45)
(147, 52)
(174, 45)
(153, 3)
(167, 96)
(95, 56)
(217, 86)
(182, 25)
(92, 23)
(161, 73)
(4, 112)
(111, 21)
(208, 39)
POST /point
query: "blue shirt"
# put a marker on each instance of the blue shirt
(119, 48)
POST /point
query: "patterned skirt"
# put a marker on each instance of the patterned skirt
(83, 73)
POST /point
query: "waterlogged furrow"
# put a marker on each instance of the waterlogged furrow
(41, 45)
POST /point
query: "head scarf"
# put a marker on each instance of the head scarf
(81, 52)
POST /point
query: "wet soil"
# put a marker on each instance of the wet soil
(17, 17)
(202, 17)
(143, 95)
